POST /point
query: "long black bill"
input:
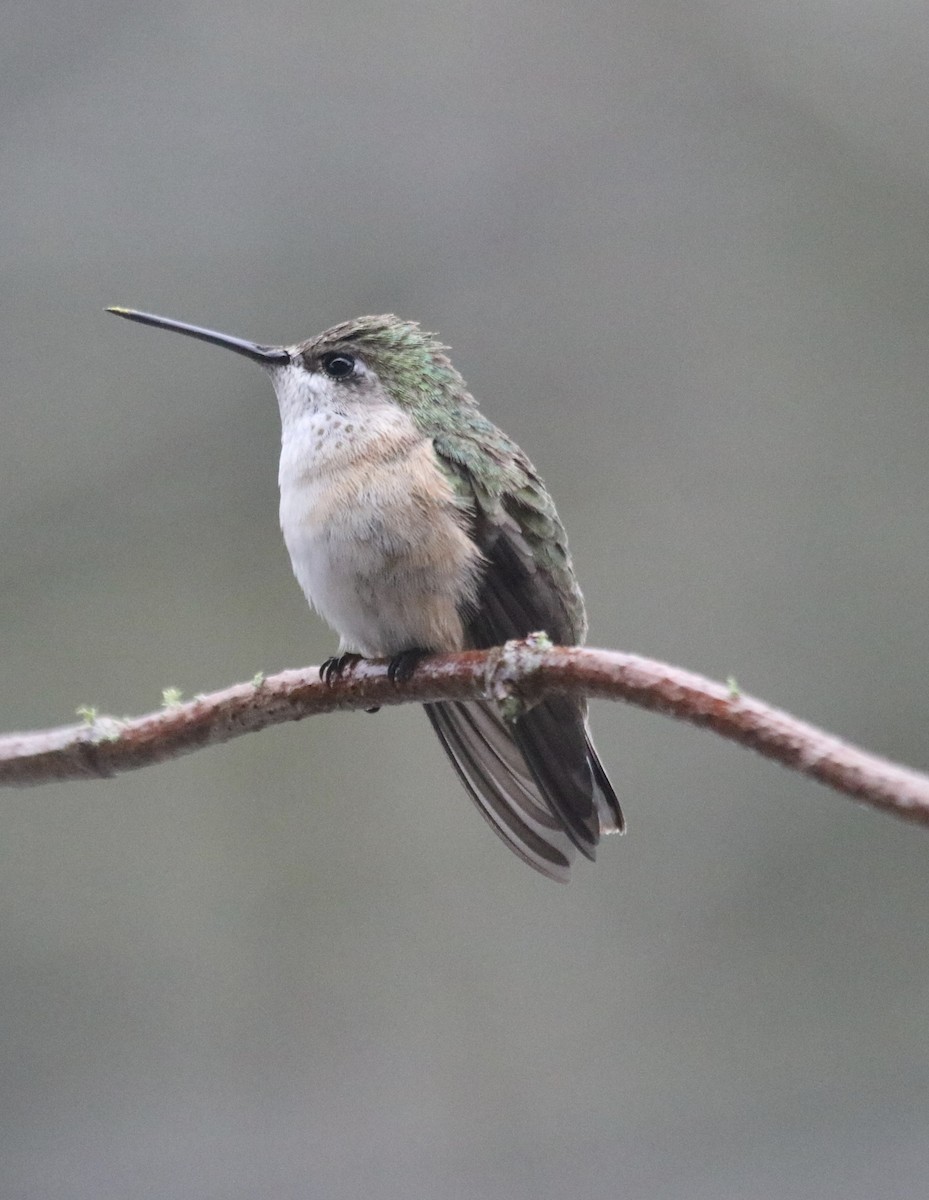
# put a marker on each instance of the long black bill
(267, 356)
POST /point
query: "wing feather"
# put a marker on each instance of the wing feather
(538, 781)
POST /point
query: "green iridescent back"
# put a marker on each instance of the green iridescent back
(488, 471)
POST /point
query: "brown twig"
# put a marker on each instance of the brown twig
(518, 674)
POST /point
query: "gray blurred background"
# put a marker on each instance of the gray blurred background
(682, 254)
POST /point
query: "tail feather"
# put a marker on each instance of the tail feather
(539, 782)
(491, 768)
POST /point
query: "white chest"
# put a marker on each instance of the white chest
(374, 534)
(333, 488)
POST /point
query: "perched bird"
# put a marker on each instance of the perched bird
(415, 525)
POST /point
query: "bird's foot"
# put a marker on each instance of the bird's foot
(402, 665)
(334, 668)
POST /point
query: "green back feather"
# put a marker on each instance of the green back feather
(486, 468)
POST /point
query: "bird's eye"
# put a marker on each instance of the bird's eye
(338, 366)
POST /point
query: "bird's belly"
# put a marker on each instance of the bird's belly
(337, 582)
(381, 577)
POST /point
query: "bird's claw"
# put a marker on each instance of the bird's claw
(402, 665)
(334, 668)
(399, 669)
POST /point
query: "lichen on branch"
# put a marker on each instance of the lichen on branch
(514, 676)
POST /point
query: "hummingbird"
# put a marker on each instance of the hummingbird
(415, 526)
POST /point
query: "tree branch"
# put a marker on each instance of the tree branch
(515, 676)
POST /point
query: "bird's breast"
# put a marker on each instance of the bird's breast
(379, 544)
